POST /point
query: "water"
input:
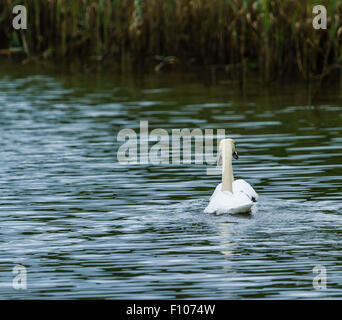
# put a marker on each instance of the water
(85, 226)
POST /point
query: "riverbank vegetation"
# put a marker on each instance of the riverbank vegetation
(274, 39)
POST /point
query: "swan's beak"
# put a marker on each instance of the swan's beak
(235, 155)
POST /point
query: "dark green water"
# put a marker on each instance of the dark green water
(85, 226)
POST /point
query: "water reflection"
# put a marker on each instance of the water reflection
(225, 235)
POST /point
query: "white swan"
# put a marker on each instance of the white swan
(230, 196)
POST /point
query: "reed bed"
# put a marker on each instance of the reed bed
(272, 38)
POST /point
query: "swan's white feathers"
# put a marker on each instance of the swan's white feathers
(243, 186)
(226, 202)
(230, 196)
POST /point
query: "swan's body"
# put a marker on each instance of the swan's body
(231, 196)
(240, 200)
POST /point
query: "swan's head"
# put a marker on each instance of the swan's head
(231, 144)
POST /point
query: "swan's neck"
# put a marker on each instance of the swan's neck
(227, 168)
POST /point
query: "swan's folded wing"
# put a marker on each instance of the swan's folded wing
(242, 203)
(243, 186)
(219, 202)
(225, 202)
(216, 191)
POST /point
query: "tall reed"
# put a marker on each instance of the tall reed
(273, 38)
